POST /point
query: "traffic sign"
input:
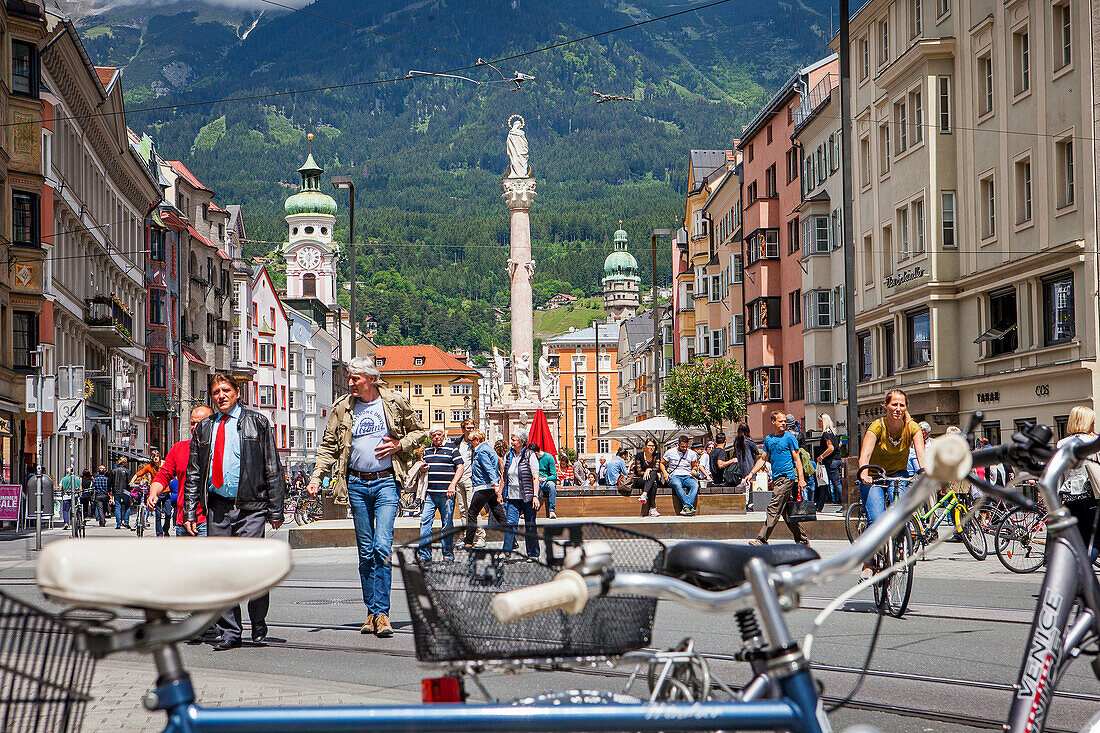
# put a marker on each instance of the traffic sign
(49, 390)
(70, 381)
(70, 416)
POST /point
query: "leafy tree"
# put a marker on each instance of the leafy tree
(706, 392)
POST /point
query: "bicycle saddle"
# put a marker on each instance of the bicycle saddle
(721, 565)
(183, 575)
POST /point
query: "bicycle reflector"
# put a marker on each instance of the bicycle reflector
(441, 689)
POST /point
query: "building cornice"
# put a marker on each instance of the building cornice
(917, 53)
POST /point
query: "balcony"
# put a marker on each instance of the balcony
(814, 99)
(109, 321)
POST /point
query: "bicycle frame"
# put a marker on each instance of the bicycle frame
(949, 501)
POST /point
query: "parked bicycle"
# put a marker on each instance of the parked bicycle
(303, 507)
(76, 516)
(926, 525)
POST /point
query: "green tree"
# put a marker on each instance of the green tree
(706, 392)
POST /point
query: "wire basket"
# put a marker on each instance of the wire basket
(449, 600)
(45, 675)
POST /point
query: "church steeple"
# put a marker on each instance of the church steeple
(310, 252)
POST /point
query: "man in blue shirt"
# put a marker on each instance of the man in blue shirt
(616, 467)
(781, 449)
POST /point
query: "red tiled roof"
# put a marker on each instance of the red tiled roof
(181, 169)
(105, 74)
(195, 233)
(400, 359)
(223, 255)
(193, 356)
(214, 207)
(176, 223)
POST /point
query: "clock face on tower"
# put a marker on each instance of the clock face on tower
(309, 258)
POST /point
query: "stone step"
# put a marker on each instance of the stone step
(616, 505)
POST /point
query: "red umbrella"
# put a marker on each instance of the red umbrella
(540, 433)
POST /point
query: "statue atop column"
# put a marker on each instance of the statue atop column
(517, 149)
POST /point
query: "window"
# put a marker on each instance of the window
(267, 395)
(916, 107)
(902, 122)
(158, 370)
(792, 237)
(944, 9)
(945, 103)
(763, 244)
(864, 162)
(605, 416)
(991, 431)
(1063, 157)
(438, 390)
(715, 290)
(236, 346)
(887, 249)
(157, 238)
(767, 384)
(267, 354)
(821, 384)
(156, 306)
(903, 233)
(603, 446)
(578, 386)
(798, 381)
(988, 202)
(310, 437)
(868, 261)
(763, 313)
(311, 404)
(794, 303)
(293, 364)
(578, 416)
(985, 84)
(919, 334)
(309, 366)
(221, 332)
(459, 389)
(737, 269)
(605, 386)
(1061, 424)
(792, 165)
(864, 59)
(889, 367)
(1023, 191)
(947, 219)
(292, 402)
(419, 415)
(883, 149)
(293, 439)
(917, 208)
(752, 192)
(459, 415)
(1058, 311)
(437, 416)
(1001, 335)
(770, 188)
(819, 309)
(866, 357)
(418, 390)
(1021, 61)
(884, 43)
(579, 444)
(914, 18)
(24, 68)
(25, 219)
(1063, 36)
(737, 326)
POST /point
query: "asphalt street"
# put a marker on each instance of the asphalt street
(944, 667)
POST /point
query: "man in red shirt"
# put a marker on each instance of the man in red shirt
(175, 467)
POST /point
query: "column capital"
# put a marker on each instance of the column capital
(518, 193)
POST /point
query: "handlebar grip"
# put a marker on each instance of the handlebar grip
(983, 457)
(568, 592)
(948, 458)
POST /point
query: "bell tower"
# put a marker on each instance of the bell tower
(310, 252)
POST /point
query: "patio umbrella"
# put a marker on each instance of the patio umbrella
(660, 428)
(540, 433)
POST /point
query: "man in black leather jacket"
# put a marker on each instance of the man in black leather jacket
(235, 471)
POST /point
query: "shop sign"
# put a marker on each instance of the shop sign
(9, 502)
(989, 397)
(905, 276)
(1042, 390)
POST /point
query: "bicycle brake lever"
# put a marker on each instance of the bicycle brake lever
(1000, 492)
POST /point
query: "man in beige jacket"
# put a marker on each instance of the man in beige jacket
(368, 445)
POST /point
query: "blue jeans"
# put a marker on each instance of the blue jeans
(66, 507)
(162, 518)
(549, 489)
(512, 510)
(373, 511)
(122, 509)
(686, 488)
(433, 501)
(200, 530)
(832, 470)
(874, 499)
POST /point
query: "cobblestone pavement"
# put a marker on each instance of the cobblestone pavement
(119, 686)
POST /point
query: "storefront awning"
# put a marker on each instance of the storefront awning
(193, 356)
(999, 331)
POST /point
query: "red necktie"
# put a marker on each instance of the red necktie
(219, 448)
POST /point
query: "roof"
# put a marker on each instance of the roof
(214, 207)
(174, 222)
(193, 355)
(705, 162)
(106, 74)
(609, 333)
(637, 329)
(195, 233)
(399, 359)
(187, 175)
(772, 107)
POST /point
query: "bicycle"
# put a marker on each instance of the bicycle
(141, 513)
(76, 516)
(892, 593)
(303, 507)
(408, 505)
(926, 525)
(755, 583)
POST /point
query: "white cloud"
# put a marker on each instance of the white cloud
(98, 6)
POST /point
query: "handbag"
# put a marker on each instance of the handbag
(801, 509)
(822, 474)
(625, 484)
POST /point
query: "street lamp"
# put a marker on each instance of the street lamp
(340, 183)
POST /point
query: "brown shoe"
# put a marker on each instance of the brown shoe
(382, 626)
(368, 627)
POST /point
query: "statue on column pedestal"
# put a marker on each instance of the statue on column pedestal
(521, 375)
(546, 378)
(517, 149)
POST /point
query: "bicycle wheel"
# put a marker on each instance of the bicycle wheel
(972, 535)
(139, 527)
(855, 521)
(309, 510)
(892, 593)
(1021, 542)
(76, 516)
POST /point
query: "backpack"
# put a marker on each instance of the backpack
(807, 463)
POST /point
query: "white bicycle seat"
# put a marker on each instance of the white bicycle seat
(206, 574)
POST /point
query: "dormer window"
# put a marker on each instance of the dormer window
(380, 361)
(309, 230)
(418, 361)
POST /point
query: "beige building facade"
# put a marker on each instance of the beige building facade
(975, 175)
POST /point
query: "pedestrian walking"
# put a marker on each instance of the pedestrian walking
(119, 481)
(367, 447)
(234, 472)
(86, 494)
(445, 469)
(548, 482)
(70, 490)
(1080, 488)
(649, 475)
(682, 466)
(746, 452)
(101, 494)
(521, 466)
(829, 455)
(781, 449)
(464, 487)
(487, 493)
(174, 469)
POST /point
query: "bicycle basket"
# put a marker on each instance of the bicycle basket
(45, 675)
(449, 601)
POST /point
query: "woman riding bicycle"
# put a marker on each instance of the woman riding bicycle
(887, 444)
